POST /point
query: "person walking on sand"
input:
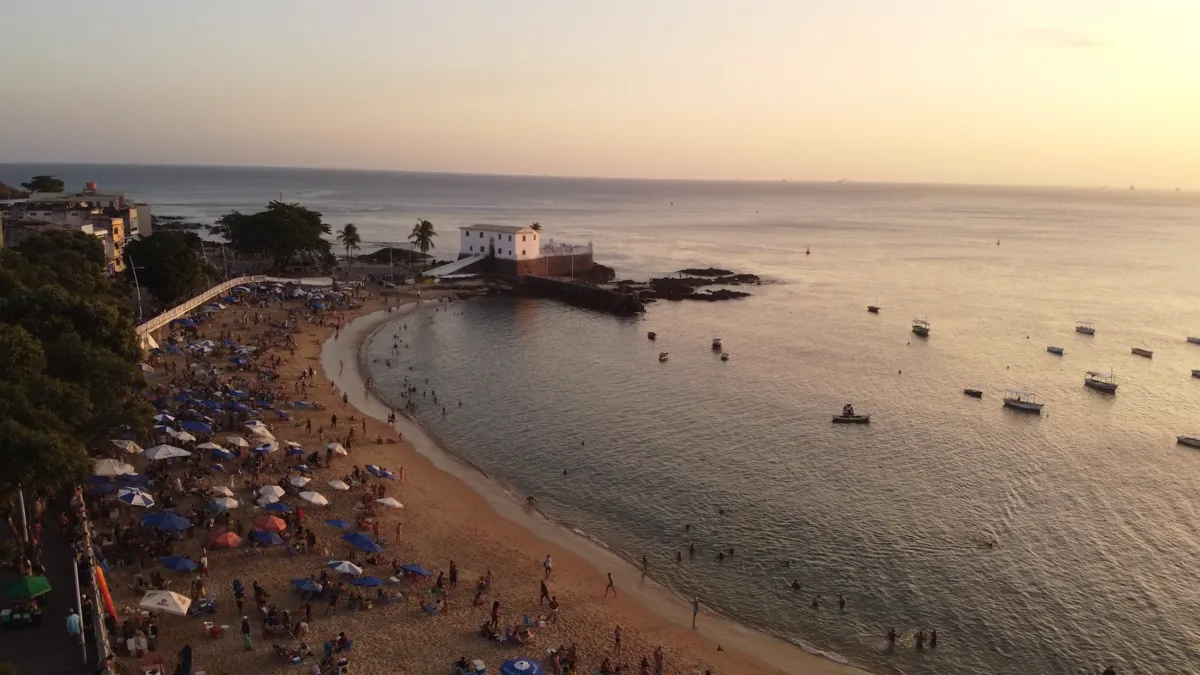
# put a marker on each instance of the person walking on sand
(548, 566)
(554, 609)
(617, 639)
(695, 611)
(544, 595)
(610, 587)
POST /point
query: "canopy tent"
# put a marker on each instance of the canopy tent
(27, 588)
(165, 452)
(165, 601)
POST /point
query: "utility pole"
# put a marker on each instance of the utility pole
(24, 522)
(225, 258)
(136, 285)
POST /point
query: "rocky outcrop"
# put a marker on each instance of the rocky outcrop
(706, 272)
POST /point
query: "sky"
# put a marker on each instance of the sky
(1055, 92)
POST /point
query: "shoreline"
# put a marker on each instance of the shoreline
(660, 601)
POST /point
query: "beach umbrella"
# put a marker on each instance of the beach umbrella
(27, 588)
(303, 405)
(270, 524)
(192, 425)
(384, 473)
(166, 521)
(186, 323)
(146, 368)
(217, 467)
(222, 503)
(261, 433)
(390, 501)
(238, 407)
(165, 601)
(369, 582)
(135, 497)
(163, 418)
(339, 485)
(209, 445)
(336, 448)
(265, 448)
(372, 469)
(277, 507)
(296, 452)
(165, 452)
(291, 444)
(224, 540)
(266, 538)
(221, 490)
(267, 500)
(314, 498)
(362, 542)
(520, 667)
(184, 436)
(345, 567)
(102, 488)
(302, 468)
(300, 481)
(413, 568)
(129, 447)
(273, 490)
(222, 454)
(178, 563)
(340, 524)
(238, 441)
(112, 467)
(306, 585)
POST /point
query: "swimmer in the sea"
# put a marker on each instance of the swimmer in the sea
(891, 636)
(795, 584)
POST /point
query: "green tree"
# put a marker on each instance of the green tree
(349, 238)
(168, 265)
(280, 233)
(45, 184)
(422, 236)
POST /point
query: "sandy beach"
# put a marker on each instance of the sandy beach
(451, 512)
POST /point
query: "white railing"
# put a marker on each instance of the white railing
(183, 308)
(555, 248)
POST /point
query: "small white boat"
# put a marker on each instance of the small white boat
(1188, 440)
(662, 357)
(1142, 352)
(1194, 340)
(1022, 400)
(1085, 326)
(921, 327)
(716, 344)
(1055, 350)
(1100, 381)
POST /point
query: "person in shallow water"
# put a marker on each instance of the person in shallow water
(920, 639)
(932, 639)
(891, 636)
(795, 584)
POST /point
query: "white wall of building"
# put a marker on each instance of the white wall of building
(507, 245)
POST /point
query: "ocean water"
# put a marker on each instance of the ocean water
(1091, 507)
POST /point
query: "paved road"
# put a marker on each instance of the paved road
(45, 649)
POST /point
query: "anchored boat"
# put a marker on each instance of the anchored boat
(1188, 440)
(974, 393)
(662, 357)
(1194, 340)
(874, 309)
(1139, 351)
(1022, 400)
(724, 356)
(716, 344)
(1055, 350)
(652, 335)
(1085, 326)
(848, 416)
(921, 327)
(1100, 381)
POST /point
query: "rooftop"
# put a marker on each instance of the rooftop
(507, 229)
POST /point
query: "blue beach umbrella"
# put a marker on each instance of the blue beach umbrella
(163, 418)
(166, 521)
(340, 524)
(305, 405)
(222, 454)
(369, 582)
(267, 538)
(362, 542)
(186, 323)
(177, 563)
(265, 448)
(237, 407)
(277, 507)
(521, 667)
(217, 467)
(295, 451)
(387, 474)
(102, 488)
(302, 468)
(281, 414)
(135, 497)
(189, 425)
(307, 585)
(413, 568)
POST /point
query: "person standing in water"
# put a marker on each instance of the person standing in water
(932, 639)
(841, 602)
(891, 636)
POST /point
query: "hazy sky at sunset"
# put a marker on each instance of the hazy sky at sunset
(999, 91)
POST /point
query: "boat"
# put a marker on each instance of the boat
(874, 309)
(1188, 440)
(1142, 352)
(652, 335)
(1100, 381)
(1194, 340)
(1085, 326)
(1022, 400)
(976, 393)
(807, 251)
(1196, 373)
(1055, 350)
(716, 344)
(724, 356)
(921, 327)
(848, 416)
(662, 356)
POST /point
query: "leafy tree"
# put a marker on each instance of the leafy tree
(536, 227)
(349, 238)
(422, 236)
(68, 360)
(167, 265)
(45, 184)
(280, 233)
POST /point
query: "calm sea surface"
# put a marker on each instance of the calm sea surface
(1091, 506)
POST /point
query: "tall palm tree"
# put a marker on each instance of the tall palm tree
(349, 238)
(536, 227)
(422, 236)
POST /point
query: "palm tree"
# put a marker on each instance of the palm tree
(536, 227)
(422, 236)
(349, 238)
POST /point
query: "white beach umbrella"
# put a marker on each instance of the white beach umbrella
(128, 446)
(390, 501)
(262, 433)
(267, 499)
(256, 424)
(113, 467)
(345, 567)
(165, 601)
(185, 436)
(273, 490)
(166, 452)
(226, 502)
(209, 446)
(336, 448)
(163, 418)
(339, 485)
(221, 490)
(238, 441)
(314, 498)
(300, 481)
(146, 368)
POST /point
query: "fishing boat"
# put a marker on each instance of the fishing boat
(724, 356)
(716, 344)
(1100, 381)
(1188, 440)
(1055, 350)
(1022, 400)
(1194, 340)
(848, 416)
(1085, 326)
(975, 393)
(1196, 373)
(874, 309)
(662, 356)
(921, 327)
(652, 335)
(1139, 351)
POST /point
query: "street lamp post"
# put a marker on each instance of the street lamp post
(136, 285)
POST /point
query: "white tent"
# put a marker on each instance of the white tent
(165, 601)
(113, 467)
(166, 452)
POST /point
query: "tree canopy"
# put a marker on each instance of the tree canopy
(69, 379)
(45, 184)
(280, 232)
(349, 238)
(168, 265)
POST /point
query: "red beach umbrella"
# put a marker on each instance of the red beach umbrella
(224, 540)
(270, 524)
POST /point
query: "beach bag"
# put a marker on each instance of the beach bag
(249, 643)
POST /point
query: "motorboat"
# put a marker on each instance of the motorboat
(724, 356)
(662, 356)
(1100, 381)
(974, 393)
(1188, 440)
(1055, 350)
(652, 335)
(1142, 352)
(874, 309)
(1194, 340)
(921, 327)
(1022, 400)
(716, 344)
(1085, 326)
(848, 416)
